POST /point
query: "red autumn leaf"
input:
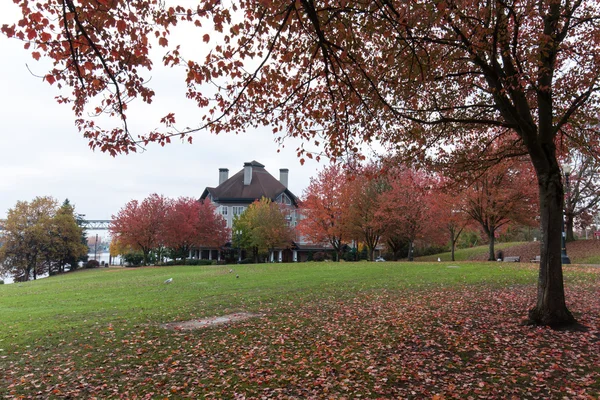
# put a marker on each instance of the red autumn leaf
(121, 25)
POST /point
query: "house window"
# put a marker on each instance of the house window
(285, 199)
(238, 210)
(224, 210)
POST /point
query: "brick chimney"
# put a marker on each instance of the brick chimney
(283, 176)
(223, 175)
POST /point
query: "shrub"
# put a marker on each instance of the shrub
(350, 255)
(92, 264)
(321, 256)
(199, 262)
(133, 259)
(246, 261)
(429, 250)
(191, 261)
(363, 254)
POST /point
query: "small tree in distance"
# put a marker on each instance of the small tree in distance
(66, 239)
(406, 208)
(450, 215)
(325, 209)
(180, 229)
(583, 190)
(501, 195)
(140, 225)
(263, 227)
(39, 237)
(365, 188)
(211, 227)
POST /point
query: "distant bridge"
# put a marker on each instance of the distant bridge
(91, 224)
(96, 224)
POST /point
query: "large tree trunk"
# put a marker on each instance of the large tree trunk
(145, 253)
(492, 240)
(551, 309)
(569, 225)
(453, 246)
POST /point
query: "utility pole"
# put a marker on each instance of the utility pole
(96, 248)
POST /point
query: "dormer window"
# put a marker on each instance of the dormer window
(285, 200)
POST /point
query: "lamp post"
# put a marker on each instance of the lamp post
(238, 238)
(566, 168)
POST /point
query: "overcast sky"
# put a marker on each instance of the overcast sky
(42, 153)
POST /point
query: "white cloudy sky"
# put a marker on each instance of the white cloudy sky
(41, 152)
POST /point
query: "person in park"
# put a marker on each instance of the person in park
(449, 82)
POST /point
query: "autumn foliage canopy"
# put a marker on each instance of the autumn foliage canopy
(158, 222)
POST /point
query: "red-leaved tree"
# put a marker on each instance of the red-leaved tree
(325, 209)
(500, 195)
(140, 225)
(365, 188)
(450, 216)
(180, 228)
(406, 207)
(582, 190)
(211, 228)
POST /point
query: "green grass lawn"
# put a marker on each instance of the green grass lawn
(467, 253)
(328, 330)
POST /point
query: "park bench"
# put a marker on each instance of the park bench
(512, 259)
(535, 260)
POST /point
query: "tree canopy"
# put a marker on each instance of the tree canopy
(40, 237)
(262, 227)
(157, 222)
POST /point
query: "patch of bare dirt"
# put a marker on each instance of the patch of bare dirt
(208, 322)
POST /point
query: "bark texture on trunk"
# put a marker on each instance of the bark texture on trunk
(551, 309)
(569, 227)
(492, 239)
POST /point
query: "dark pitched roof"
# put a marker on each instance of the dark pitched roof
(262, 184)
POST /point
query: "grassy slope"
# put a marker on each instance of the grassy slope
(377, 329)
(34, 310)
(479, 253)
(580, 252)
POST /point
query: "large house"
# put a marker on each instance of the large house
(233, 195)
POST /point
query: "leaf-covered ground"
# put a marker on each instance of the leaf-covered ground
(460, 341)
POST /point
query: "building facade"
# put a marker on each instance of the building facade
(233, 195)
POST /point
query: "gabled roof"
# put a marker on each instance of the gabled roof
(263, 184)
